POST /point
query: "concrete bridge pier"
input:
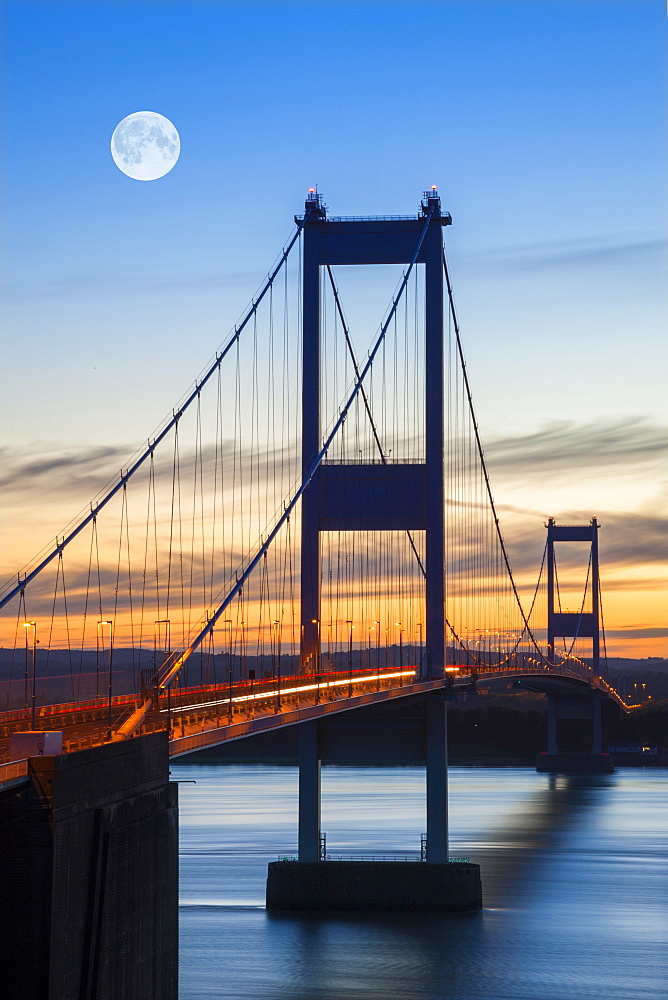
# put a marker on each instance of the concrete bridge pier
(561, 761)
(437, 779)
(308, 840)
(435, 883)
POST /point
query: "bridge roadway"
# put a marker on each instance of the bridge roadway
(209, 715)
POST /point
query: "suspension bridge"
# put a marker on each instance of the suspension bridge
(318, 499)
(311, 530)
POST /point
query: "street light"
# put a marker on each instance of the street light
(331, 653)
(228, 621)
(33, 704)
(315, 621)
(246, 673)
(100, 627)
(205, 677)
(350, 658)
(372, 628)
(419, 625)
(401, 649)
(167, 653)
(277, 672)
(244, 657)
(378, 653)
(210, 655)
(202, 675)
(156, 640)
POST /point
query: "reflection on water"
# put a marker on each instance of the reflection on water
(574, 888)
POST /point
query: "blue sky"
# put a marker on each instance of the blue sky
(541, 122)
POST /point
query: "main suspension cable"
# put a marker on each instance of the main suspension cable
(171, 671)
(97, 505)
(483, 463)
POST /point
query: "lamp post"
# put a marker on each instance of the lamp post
(401, 644)
(350, 658)
(316, 622)
(209, 656)
(211, 652)
(156, 640)
(228, 621)
(277, 671)
(33, 649)
(247, 673)
(419, 627)
(372, 628)
(401, 650)
(244, 657)
(167, 654)
(100, 626)
(202, 673)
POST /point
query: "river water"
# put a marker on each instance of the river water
(574, 878)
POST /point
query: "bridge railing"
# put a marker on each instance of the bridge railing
(224, 705)
(14, 769)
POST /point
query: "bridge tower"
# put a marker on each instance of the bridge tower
(573, 624)
(585, 702)
(387, 496)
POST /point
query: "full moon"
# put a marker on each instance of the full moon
(145, 145)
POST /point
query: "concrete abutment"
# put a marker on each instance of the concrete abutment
(89, 873)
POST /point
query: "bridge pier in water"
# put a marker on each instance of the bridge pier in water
(586, 706)
(314, 882)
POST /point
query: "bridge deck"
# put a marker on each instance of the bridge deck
(213, 714)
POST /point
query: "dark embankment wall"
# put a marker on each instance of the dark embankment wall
(89, 872)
